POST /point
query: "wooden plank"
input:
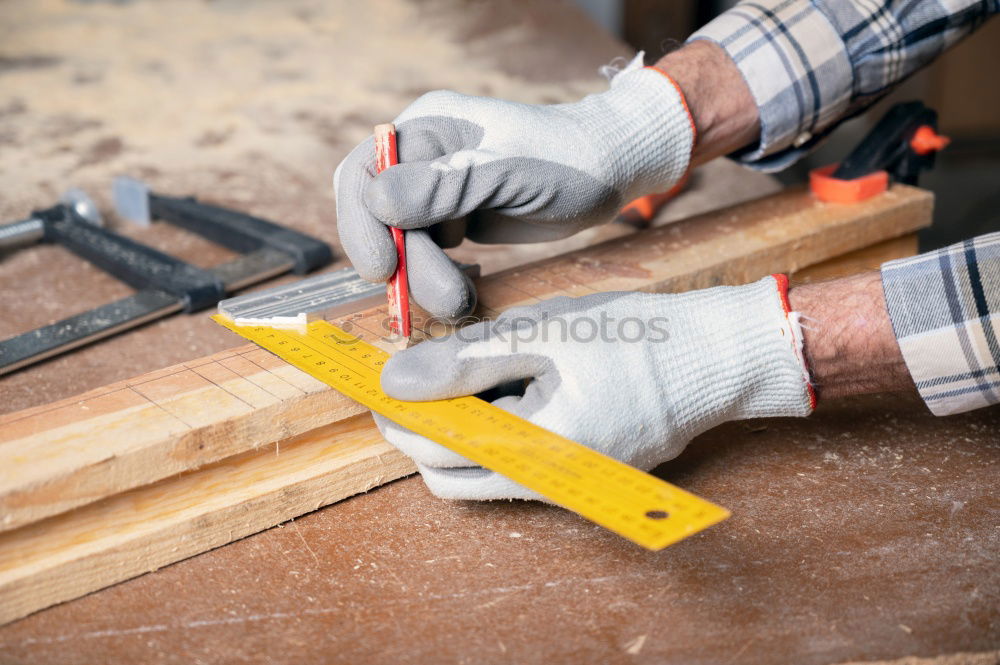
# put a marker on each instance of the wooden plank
(780, 233)
(860, 260)
(133, 433)
(122, 536)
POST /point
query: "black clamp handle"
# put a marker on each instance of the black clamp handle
(903, 143)
(897, 145)
(239, 231)
(138, 265)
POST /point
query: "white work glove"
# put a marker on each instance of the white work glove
(502, 172)
(633, 375)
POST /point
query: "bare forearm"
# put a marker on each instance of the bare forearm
(725, 114)
(849, 343)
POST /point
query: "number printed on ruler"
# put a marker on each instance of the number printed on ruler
(636, 505)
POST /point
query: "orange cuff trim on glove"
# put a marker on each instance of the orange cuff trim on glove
(684, 101)
(781, 281)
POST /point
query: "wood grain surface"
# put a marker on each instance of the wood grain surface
(135, 532)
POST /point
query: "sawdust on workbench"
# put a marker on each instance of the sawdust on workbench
(984, 658)
(250, 104)
(226, 92)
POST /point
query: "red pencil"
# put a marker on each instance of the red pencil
(397, 289)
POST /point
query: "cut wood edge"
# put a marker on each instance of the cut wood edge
(73, 554)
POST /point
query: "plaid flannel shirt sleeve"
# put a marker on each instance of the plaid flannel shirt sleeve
(812, 64)
(945, 312)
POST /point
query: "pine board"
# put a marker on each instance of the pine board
(109, 541)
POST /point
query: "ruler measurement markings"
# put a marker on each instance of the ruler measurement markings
(594, 479)
(592, 476)
(592, 473)
(281, 338)
(609, 493)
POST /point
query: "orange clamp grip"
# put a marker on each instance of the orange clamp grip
(834, 190)
(641, 211)
(926, 140)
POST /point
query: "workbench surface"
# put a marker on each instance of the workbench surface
(867, 532)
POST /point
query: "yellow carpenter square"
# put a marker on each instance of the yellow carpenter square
(633, 504)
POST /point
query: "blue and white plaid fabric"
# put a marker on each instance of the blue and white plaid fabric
(811, 65)
(945, 311)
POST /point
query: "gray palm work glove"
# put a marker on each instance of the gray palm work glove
(503, 172)
(633, 375)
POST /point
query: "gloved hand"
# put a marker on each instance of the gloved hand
(633, 375)
(502, 172)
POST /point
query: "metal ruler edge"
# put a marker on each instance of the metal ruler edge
(636, 505)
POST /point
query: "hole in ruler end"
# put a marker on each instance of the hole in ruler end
(657, 514)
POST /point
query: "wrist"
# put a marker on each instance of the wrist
(849, 344)
(766, 346)
(725, 114)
